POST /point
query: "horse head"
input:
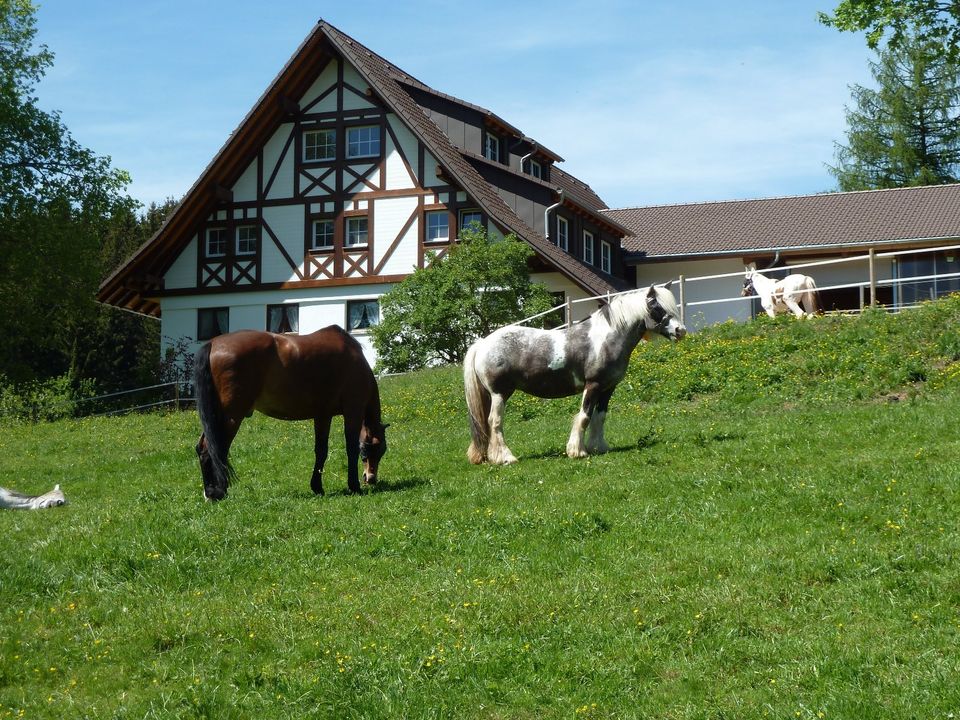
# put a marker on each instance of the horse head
(663, 315)
(749, 271)
(373, 446)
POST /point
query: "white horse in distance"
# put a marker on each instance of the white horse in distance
(12, 500)
(786, 294)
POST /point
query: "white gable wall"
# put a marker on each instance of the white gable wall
(183, 271)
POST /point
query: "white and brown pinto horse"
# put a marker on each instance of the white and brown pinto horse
(786, 294)
(590, 356)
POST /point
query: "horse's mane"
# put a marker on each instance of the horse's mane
(626, 310)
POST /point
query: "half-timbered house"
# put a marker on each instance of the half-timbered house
(340, 181)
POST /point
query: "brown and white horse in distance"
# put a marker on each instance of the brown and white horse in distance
(780, 295)
(13, 500)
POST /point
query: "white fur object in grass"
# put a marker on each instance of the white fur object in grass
(13, 500)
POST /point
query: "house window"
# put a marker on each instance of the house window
(491, 147)
(588, 247)
(212, 322)
(356, 231)
(322, 235)
(216, 242)
(247, 240)
(362, 314)
(536, 169)
(363, 141)
(605, 256)
(438, 226)
(283, 318)
(563, 233)
(470, 217)
(320, 145)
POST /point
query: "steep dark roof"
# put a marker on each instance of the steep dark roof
(126, 286)
(807, 221)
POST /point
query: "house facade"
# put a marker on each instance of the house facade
(345, 176)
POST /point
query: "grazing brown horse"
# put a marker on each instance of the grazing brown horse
(290, 377)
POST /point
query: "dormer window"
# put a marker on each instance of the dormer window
(491, 146)
(588, 247)
(533, 168)
(605, 256)
(563, 233)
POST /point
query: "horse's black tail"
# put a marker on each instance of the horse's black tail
(213, 422)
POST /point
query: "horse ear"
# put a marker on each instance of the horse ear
(669, 284)
(652, 292)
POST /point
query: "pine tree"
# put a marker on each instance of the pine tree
(907, 131)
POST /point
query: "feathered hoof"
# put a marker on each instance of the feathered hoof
(474, 455)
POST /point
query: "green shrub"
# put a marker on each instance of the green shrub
(46, 400)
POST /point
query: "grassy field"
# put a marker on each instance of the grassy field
(775, 534)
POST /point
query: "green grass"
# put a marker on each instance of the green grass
(775, 534)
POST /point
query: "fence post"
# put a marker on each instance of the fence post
(683, 309)
(873, 278)
(569, 311)
(176, 395)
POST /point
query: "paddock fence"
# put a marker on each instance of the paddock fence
(906, 290)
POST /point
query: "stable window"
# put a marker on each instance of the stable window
(283, 318)
(362, 314)
(320, 145)
(322, 235)
(247, 240)
(216, 245)
(491, 146)
(470, 217)
(605, 256)
(438, 226)
(356, 231)
(363, 141)
(563, 233)
(212, 322)
(588, 247)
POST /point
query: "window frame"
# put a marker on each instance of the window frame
(201, 312)
(351, 144)
(221, 230)
(563, 236)
(360, 301)
(328, 146)
(347, 233)
(606, 256)
(313, 234)
(285, 309)
(588, 240)
(491, 146)
(255, 239)
(461, 226)
(445, 215)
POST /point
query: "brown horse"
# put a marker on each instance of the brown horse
(290, 377)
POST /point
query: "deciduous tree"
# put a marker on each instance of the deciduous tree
(437, 312)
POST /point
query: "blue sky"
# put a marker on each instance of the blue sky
(648, 102)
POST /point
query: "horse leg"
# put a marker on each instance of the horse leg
(351, 436)
(791, 302)
(575, 447)
(321, 442)
(497, 451)
(596, 444)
